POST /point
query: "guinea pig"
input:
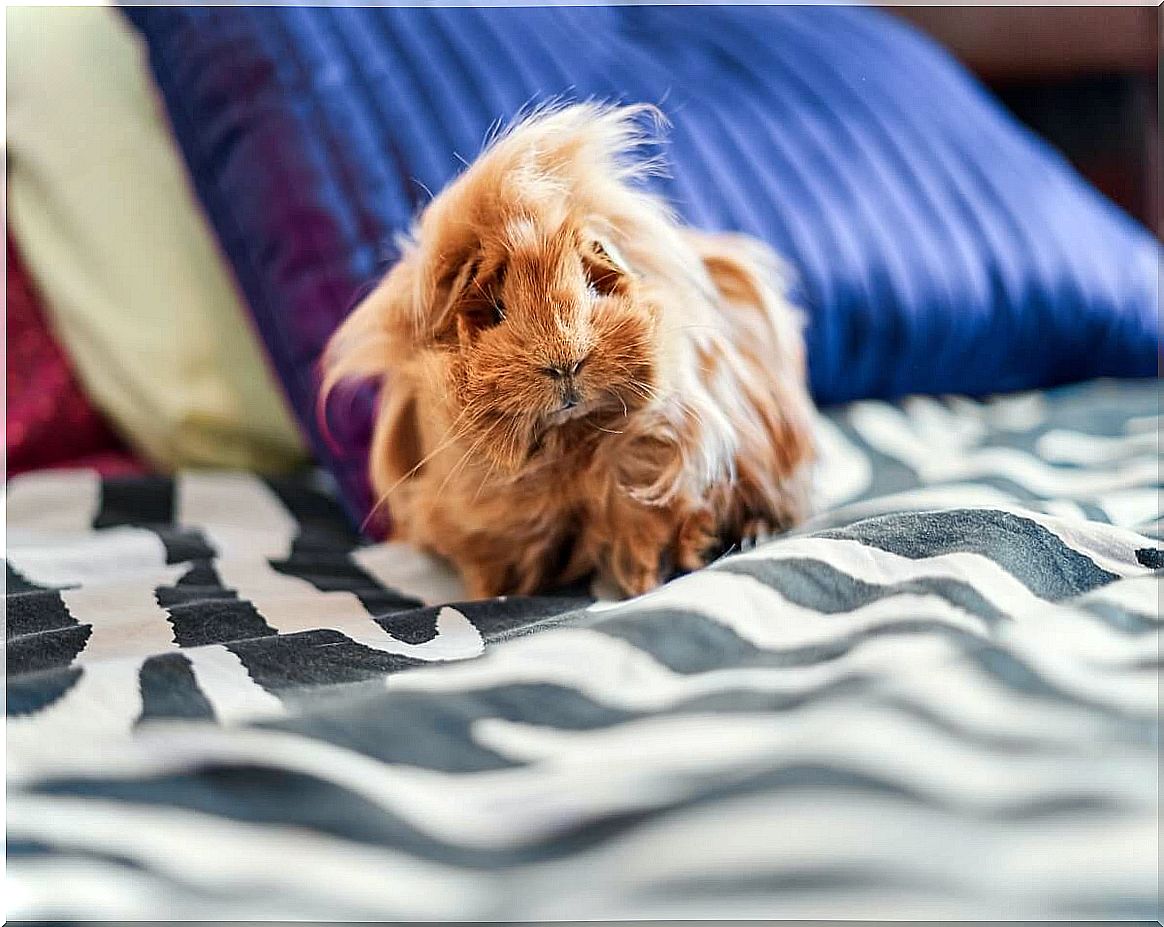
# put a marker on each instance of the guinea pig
(574, 382)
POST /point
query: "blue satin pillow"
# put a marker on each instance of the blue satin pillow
(940, 247)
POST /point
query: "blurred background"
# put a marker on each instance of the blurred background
(1085, 78)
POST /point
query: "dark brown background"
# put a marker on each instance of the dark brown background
(1086, 78)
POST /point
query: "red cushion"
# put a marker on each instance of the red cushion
(51, 422)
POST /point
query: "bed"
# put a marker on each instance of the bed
(937, 699)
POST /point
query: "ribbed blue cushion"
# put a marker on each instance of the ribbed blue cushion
(940, 246)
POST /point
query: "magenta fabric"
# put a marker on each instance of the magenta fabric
(50, 421)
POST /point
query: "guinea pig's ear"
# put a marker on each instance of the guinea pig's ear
(606, 269)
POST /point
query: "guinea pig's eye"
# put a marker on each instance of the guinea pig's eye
(478, 305)
(482, 312)
(605, 269)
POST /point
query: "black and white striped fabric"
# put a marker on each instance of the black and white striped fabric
(937, 700)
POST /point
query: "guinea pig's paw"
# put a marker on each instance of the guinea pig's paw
(696, 540)
(642, 582)
(636, 569)
(486, 580)
(754, 533)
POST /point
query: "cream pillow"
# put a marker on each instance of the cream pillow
(134, 284)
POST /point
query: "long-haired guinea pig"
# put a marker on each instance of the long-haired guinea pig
(574, 382)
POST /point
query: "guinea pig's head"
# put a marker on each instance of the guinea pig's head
(542, 324)
(520, 290)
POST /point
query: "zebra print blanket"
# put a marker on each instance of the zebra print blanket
(937, 700)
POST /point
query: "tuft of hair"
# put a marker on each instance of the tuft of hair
(554, 136)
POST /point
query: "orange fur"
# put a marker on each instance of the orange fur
(543, 277)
